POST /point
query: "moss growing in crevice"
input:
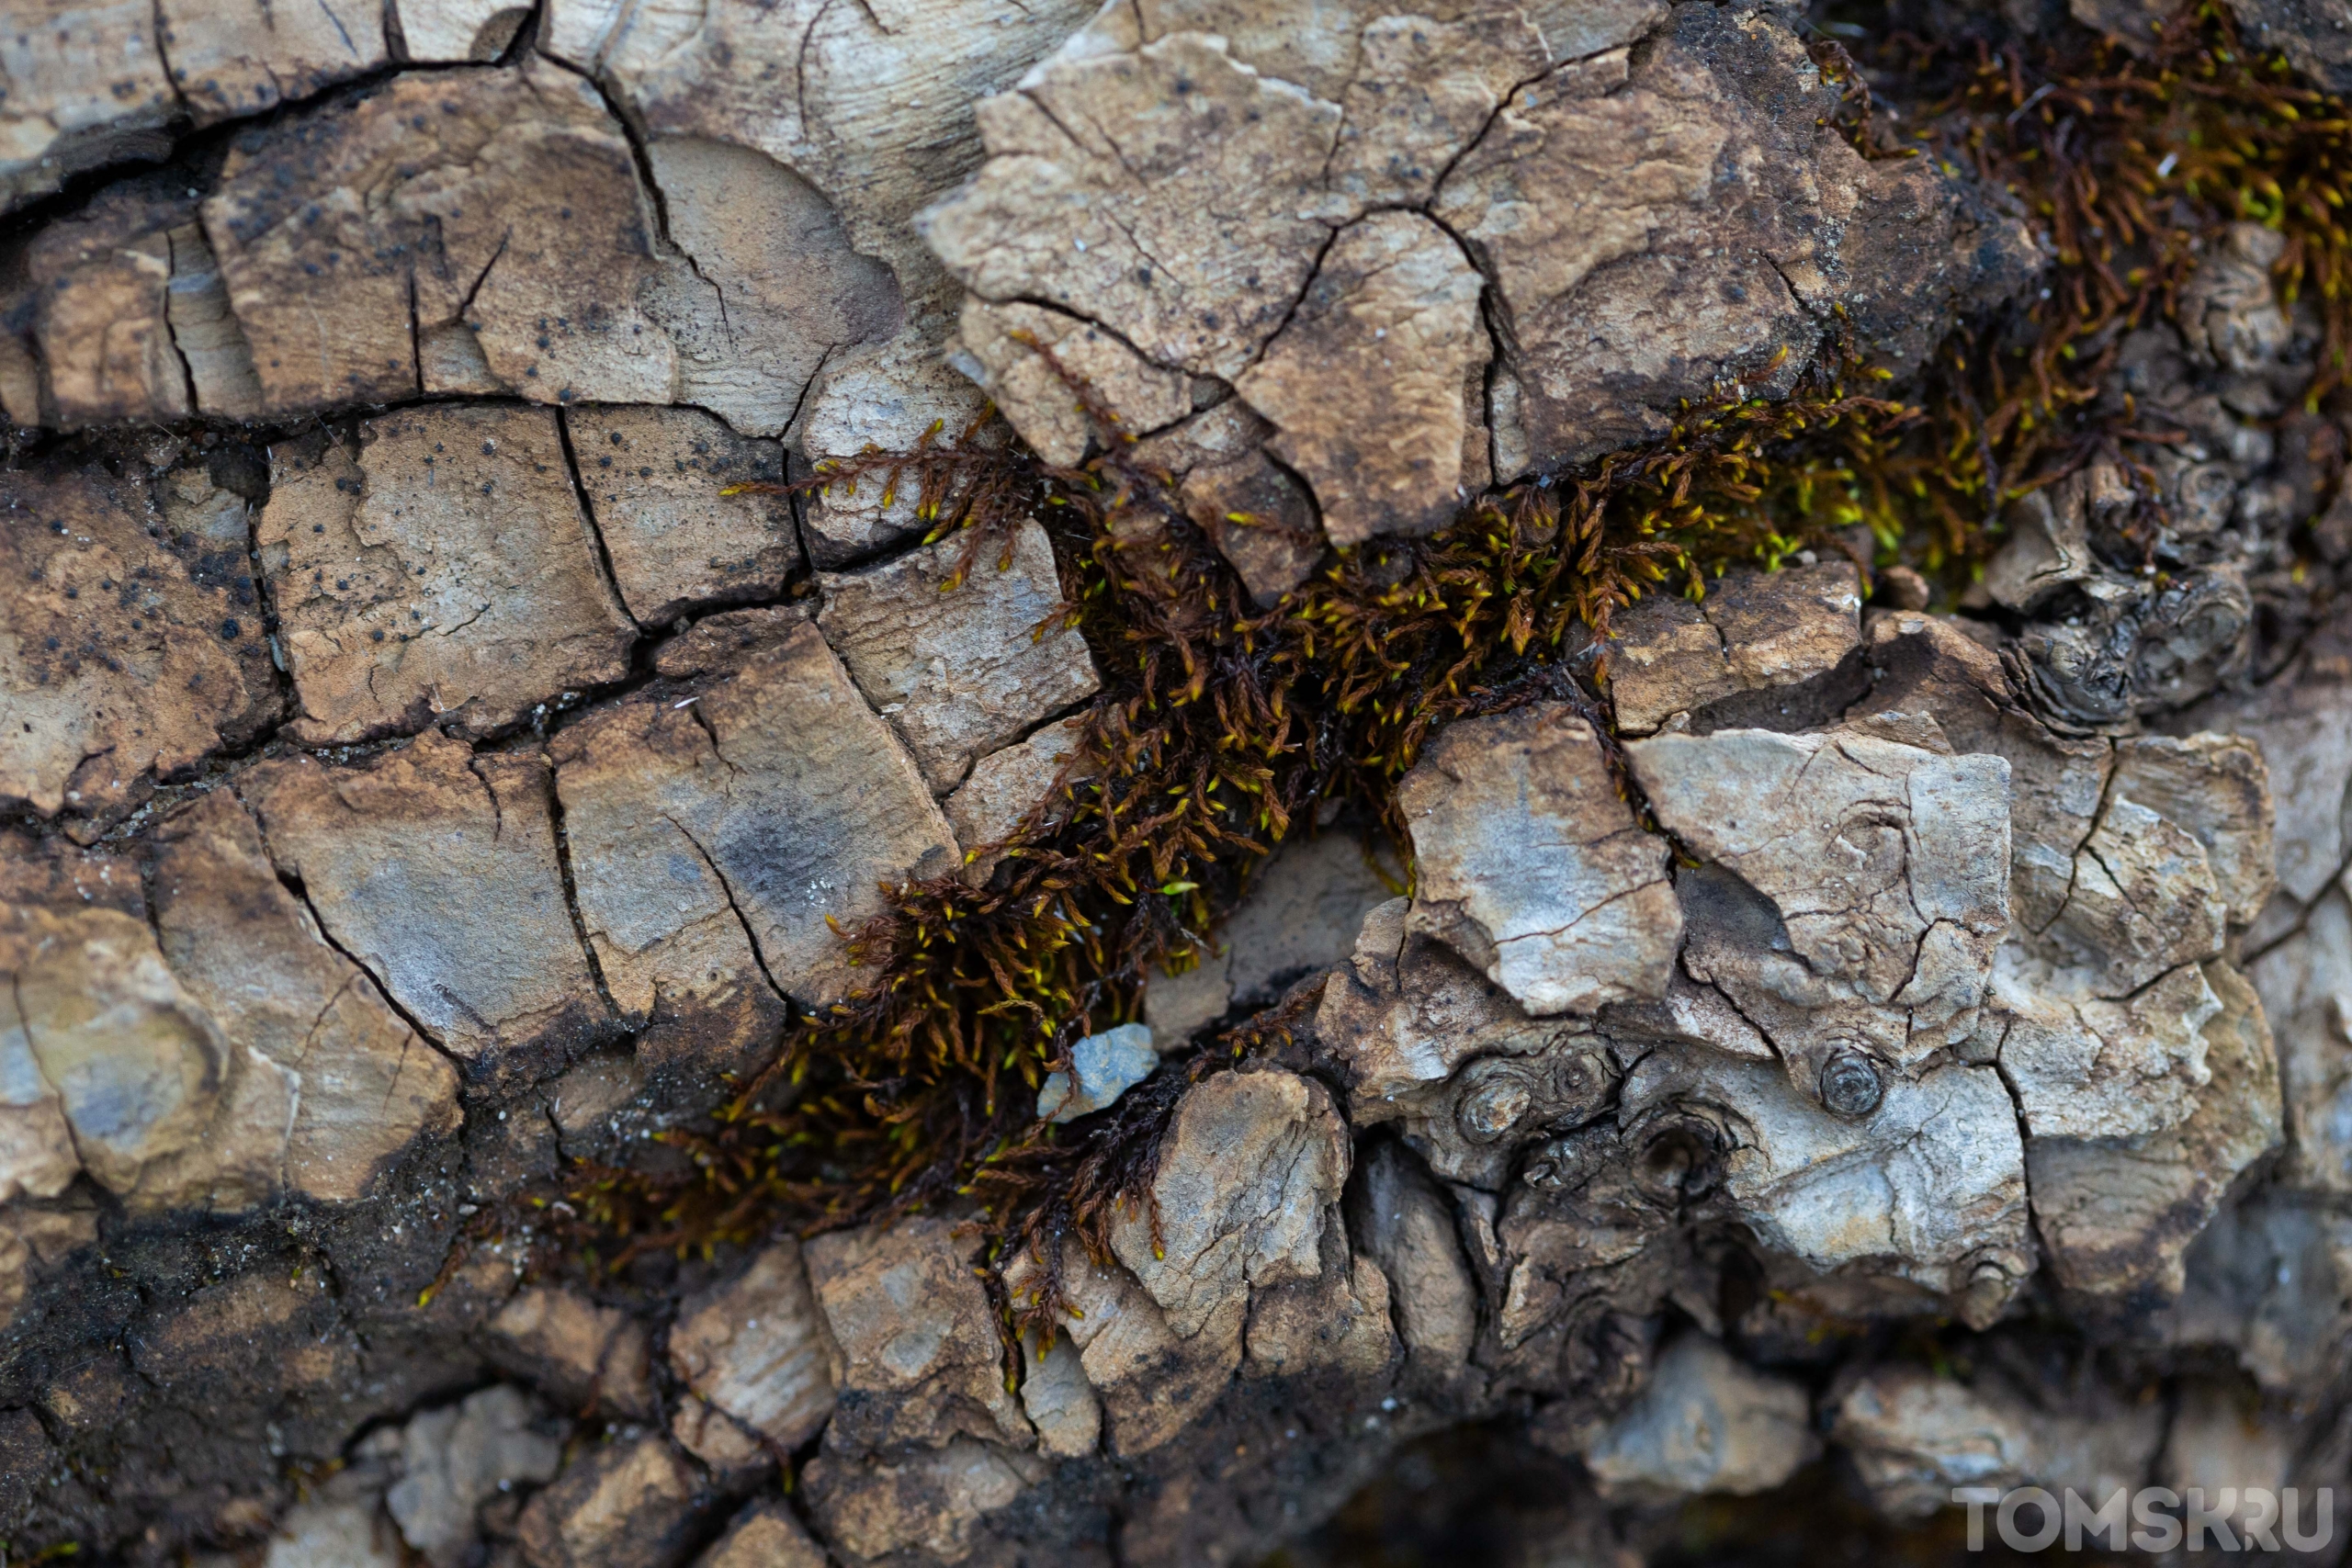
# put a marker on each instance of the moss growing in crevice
(2128, 165)
(1223, 728)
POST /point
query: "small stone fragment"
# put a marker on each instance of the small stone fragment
(757, 1349)
(1753, 632)
(1905, 588)
(445, 575)
(1705, 1423)
(919, 1358)
(579, 1354)
(331, 1534)
(652, 477)
(1915, 1437)
(456, 1457)
(1058, 1399)
(1102, 1068)
(764, 1535)
(497, 974)
(931, 1501)
(959, 669)
(1245, 1187)
(1532, 867)
(629, 1506)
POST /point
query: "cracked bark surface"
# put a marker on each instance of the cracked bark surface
(1913, 1042)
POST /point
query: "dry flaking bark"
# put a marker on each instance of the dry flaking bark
(435, 779)
(442, 572)
(135, 646)
(1343, 220)
(769, 790)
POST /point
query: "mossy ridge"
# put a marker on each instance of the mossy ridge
(1223, 726)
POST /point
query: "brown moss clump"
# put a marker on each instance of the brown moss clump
(2128, 165)
(1224, 728)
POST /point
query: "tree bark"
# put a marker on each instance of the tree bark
(1823, 1040)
